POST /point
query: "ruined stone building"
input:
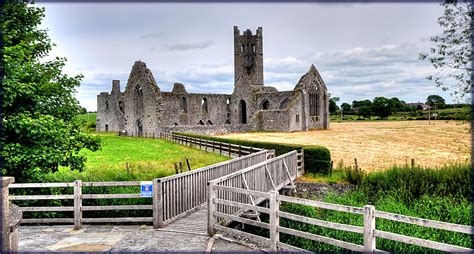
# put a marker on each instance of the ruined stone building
(144, 108)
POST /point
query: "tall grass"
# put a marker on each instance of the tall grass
(441, 194)
(412, 183)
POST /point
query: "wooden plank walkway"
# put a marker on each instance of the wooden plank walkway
(186, 234)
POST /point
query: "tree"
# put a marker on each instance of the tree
(333, 104)
(41, 127)
(357, 104)
(382, 107)
(397, 104)
(346, 107)
(82, 110)
(451, 55)
(437, 100)
(364, 111)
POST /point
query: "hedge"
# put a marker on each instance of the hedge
(317, 159)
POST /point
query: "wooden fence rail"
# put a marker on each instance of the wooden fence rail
(181, 194)
(270, 175)
(173, 196)
(78, 207)
(368, 230)
(222, 148)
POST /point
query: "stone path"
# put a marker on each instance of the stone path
(186, 234)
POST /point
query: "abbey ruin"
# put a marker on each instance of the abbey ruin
(143, 108)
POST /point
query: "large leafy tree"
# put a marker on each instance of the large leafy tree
(382, 107)
(451, 56)
(346, 107)
(41, 128)
(333, 104)
(437, 100)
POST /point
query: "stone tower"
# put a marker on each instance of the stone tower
(248, 56)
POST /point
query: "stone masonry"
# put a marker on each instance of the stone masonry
(143, 108)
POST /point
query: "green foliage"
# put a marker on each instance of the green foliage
(441, 194)
(40, 123)
(333, 104)
(346, 107)
(412, 183)
(437, 100)
(316, 159)
(382, 107)
(364, 111)
(451, 55)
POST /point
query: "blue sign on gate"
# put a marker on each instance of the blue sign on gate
(147, 189)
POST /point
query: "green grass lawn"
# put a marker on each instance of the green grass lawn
(146, 159)
(89, 117)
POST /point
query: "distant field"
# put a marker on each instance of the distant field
(89, 117)
(381, 144)
(146, 158)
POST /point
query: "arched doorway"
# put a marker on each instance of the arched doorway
(242, 112)
(139, 128)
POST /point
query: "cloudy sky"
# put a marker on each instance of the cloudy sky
(361, 50)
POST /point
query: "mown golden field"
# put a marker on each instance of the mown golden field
(381, 144)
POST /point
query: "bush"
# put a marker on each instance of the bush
(412, 183)
(317, 159)
(90, 125)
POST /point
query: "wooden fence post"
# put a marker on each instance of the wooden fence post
(157, 203)
(274, 220)
(187, 162)
(302, 161)
(412, 163)
(6, 244)
(369, 227)
(355, 164)
(240, 151)
(176, 168)
(77, 204)
(211, 206)
(229, 150)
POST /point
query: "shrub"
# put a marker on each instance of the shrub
(317, 159)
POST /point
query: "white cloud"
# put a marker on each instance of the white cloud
(185, 46)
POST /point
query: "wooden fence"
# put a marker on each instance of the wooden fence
(78, 207)
(368, 230)
(270, 175)
(222, 148)
(173, 196)
(181, 194)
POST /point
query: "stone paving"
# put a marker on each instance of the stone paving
(186, 234)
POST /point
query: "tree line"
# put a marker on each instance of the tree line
(381, 106)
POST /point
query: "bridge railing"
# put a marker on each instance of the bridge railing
(273, 226)
(270, 175)
(181, 194)
(173, 196)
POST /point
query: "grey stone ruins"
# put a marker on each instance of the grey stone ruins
(252, 106)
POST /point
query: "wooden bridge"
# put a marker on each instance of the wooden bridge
(240, 190)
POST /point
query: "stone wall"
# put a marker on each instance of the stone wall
(191, 109)
(273, 120)
(210, 130)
